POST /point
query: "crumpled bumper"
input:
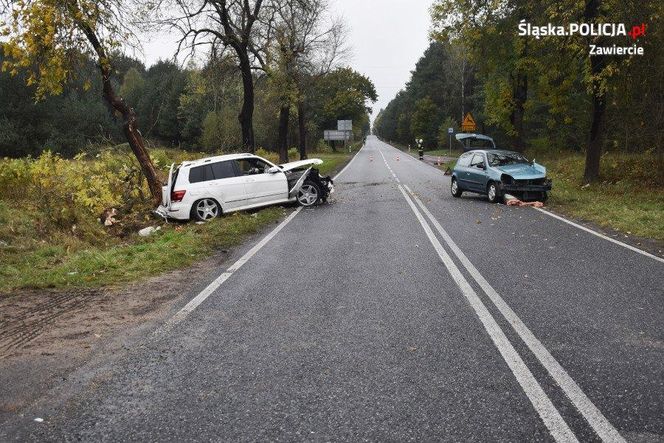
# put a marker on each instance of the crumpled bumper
(524, 187)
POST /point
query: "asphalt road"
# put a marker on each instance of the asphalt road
(394, 313)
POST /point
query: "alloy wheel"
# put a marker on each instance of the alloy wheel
(308, 195)
(207, 209)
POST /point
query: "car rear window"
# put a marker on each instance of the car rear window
(201, 174)
(214, 171)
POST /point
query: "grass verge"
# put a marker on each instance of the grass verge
(60, 262)
(628, 198)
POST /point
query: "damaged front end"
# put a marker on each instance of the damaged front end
(298, 177)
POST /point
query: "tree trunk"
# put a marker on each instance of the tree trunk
(129, 126)
(595, 141)
(301, 122)
(246, 116)
(282, 141)
(594, 149)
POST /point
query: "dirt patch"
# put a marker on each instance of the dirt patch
(46, 334)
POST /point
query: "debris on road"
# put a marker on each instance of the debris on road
(511, 200)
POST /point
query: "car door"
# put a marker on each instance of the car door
(477, 176)
(220, 181)
(463, 176)
(262, 186)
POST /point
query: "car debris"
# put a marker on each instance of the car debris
(511, 200)
(146, 232)
(107, 217)
(211, 187)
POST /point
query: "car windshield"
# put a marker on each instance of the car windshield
(506, 158)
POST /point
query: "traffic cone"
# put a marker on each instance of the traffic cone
(397, 158)
(440, 161)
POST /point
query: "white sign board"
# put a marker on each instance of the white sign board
(450, 130)
(345, 125)
(337, 135)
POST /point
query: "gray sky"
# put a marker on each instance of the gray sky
(386, 38)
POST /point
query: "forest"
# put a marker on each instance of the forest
(542, 95)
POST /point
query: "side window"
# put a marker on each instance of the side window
(478, 159)
(252, 166)
(223, 170)
(201, 174)
(464, 160)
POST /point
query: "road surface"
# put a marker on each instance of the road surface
(394, 313)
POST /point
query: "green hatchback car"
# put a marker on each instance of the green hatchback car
(495, 173)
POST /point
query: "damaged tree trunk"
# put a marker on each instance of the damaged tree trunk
(129, 124)
(282, 141)
(302, 126)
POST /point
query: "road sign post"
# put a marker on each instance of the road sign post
(450, 131)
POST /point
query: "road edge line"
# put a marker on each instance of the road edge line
(600, 424)
(600, 235)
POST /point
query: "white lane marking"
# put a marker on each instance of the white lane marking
(612, 240)
(205, 293)
(592, 414)
(540, 401)
(209, 290)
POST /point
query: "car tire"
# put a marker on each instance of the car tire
(455, 189)
(493, 192)
(310, 194)
(205, 209)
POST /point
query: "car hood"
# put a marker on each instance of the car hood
(301, 164)
(523, 171)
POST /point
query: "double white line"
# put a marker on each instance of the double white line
(533, 390)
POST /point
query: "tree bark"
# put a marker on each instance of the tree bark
(282, 141)
(302, 126)
(246, 116)
(129, 126)
(595, 141)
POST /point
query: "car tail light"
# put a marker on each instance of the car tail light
(177, 196)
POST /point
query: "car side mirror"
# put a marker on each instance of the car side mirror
(273, 170)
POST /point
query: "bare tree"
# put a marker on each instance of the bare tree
(221, 24)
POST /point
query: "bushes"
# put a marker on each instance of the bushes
(70, 195)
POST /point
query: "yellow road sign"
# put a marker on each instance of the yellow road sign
(469, 124)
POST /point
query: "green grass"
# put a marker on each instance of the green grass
(333, 161)
(629, 196)
(62, 262)
(442, 153)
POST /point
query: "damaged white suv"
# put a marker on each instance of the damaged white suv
(207, 188)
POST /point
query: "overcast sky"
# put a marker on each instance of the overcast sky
(386, 37)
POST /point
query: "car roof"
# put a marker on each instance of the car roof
(218, 158)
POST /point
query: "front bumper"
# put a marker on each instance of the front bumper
(523, 187)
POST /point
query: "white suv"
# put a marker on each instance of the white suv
(207, 188)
